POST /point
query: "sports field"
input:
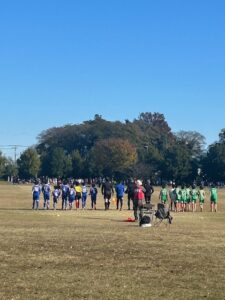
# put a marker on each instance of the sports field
(96, 255)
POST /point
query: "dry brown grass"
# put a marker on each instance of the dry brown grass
(95, 255)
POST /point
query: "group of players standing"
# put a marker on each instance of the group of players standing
(179, 199)
(71, 194)
(186, 198)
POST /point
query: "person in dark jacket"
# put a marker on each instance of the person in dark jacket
(149, 190)
(107, 191)
(130, 193)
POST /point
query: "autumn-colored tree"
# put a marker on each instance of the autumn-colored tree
(112, 157)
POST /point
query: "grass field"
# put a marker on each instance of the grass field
(95, 255)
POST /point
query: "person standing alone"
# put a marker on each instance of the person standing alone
(139, 198)
(119, 195)
(107, 191)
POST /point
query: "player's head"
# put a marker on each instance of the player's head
(139, 182)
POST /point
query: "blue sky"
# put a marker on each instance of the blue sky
(63, 61)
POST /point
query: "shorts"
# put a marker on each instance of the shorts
(213, 200)
(47, 197)
(78, 196)
(36, 196)
(71, 200)
(55, 200)
(107, 196)
(94, 200)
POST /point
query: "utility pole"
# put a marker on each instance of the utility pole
(14, 147)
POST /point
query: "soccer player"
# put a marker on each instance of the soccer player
(188, 192)
(46, 190)
(201, 197)
(183, 198)
(163, 195)
(65, 194)
(178, 199)
(36, 191)
(194, 197)
(213, 198)
(84, 195)
(78, 190)
(119, 195)
(93, 193)
(72, 194)
(56, 195)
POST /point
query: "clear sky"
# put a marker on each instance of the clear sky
(63, 61)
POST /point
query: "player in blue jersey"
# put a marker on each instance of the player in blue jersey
(65, 194)
(56, 195)
(36, 191)
(93, 193)
(84, 195)
(120, 189)
(46, 190)
(72, 194)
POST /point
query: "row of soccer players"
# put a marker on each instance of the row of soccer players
(185, 198)
(70, 195)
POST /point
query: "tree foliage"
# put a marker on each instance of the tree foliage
(3, 163)
(113, 156)
(144, 147)
(214, 162)
(29, 163)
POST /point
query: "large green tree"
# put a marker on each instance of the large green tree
(194, 141)
(29, 164)
(3, 163)
(56, 163)
(214, 162)
(149, 134)
(177, 164)
(11, 168)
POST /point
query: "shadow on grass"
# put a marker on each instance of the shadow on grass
(15, 209)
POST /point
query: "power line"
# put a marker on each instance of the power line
(13, 147)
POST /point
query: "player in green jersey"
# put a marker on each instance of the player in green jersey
(163, 195)
(178, 199)
(194, 198)
(183, 198)
(188, 192)
(213, 198)
(201, 197)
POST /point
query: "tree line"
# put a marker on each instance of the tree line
(145, 147)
